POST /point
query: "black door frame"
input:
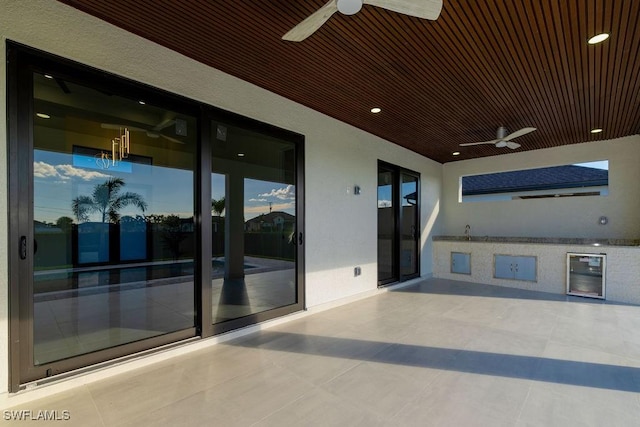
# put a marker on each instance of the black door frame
(398, 215)
(22, 61)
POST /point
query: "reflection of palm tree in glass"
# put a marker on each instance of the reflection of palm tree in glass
(107, 201)
(217, 206)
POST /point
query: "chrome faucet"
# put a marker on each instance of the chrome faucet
(467, 232)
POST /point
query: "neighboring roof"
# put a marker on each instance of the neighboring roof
(271, 216)
(569, 176)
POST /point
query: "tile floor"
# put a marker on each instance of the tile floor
(438, 352)
(69, 324)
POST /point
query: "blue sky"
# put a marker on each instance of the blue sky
(603, 164)
(384, 194)
(258, 194)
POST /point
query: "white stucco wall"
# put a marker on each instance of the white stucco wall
(341, 229)
(553, 217)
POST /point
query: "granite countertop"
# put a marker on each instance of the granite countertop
(541, 240)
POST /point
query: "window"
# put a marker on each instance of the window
(580, 179)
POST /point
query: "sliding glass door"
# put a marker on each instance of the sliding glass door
(255, 236)
(387, 222)
(139, 218)
(398, 224)
(409, 234)
(112, 225)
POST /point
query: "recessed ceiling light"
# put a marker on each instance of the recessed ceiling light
(240, 154)
(141, 102)
(376, 110)
(598, 39)
(596, 130)
(43, 115)
(456, 153)
(49, 76)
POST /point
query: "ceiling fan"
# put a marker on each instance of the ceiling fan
(502, 139)
(425, 9)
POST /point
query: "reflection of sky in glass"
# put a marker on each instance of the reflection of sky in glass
(165, 190)
(409, 189)
(384, 194)
(603, 164)
(258, 194)
(262, 197)
(57, 182)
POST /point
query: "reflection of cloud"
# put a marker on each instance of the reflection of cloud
(69, 171)
(384, 203)
(44, 170)
(286, 193)
(257, 200)
(64, 172)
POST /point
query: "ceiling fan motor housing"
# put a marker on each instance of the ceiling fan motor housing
(502, 132)
(349, 7)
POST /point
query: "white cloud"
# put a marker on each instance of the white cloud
(44, 170)
(64, 172)
(286, 193)
(257, 200)
(69, 171)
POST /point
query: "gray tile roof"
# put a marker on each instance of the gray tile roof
(555, 177)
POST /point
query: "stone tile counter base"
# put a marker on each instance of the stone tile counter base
(622, 274)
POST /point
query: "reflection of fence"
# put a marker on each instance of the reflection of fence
(102, 243)
(54, 249)
(269, 245)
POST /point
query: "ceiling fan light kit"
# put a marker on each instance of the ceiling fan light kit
(349, 7)
(425, 9)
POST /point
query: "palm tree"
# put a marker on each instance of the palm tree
(107, 201)
(217, 206)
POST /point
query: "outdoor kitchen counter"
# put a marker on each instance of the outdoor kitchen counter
(622, 276)
(541, 240)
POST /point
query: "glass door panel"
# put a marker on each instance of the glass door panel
(398, 224)
(387, 243)
(409, 226)
(113, 224)
(254, 237)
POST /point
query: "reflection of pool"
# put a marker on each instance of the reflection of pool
(48, 281)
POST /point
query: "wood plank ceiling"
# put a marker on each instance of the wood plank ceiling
(482, 64)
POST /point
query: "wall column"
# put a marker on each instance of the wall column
(234, 227)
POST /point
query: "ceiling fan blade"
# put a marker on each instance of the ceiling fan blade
(501, 143)
(518, 133)
(478, 143)
(177, 141)
(425, 9)
(512, 145)
(312, 23)
(118, 127)
(164, 124)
